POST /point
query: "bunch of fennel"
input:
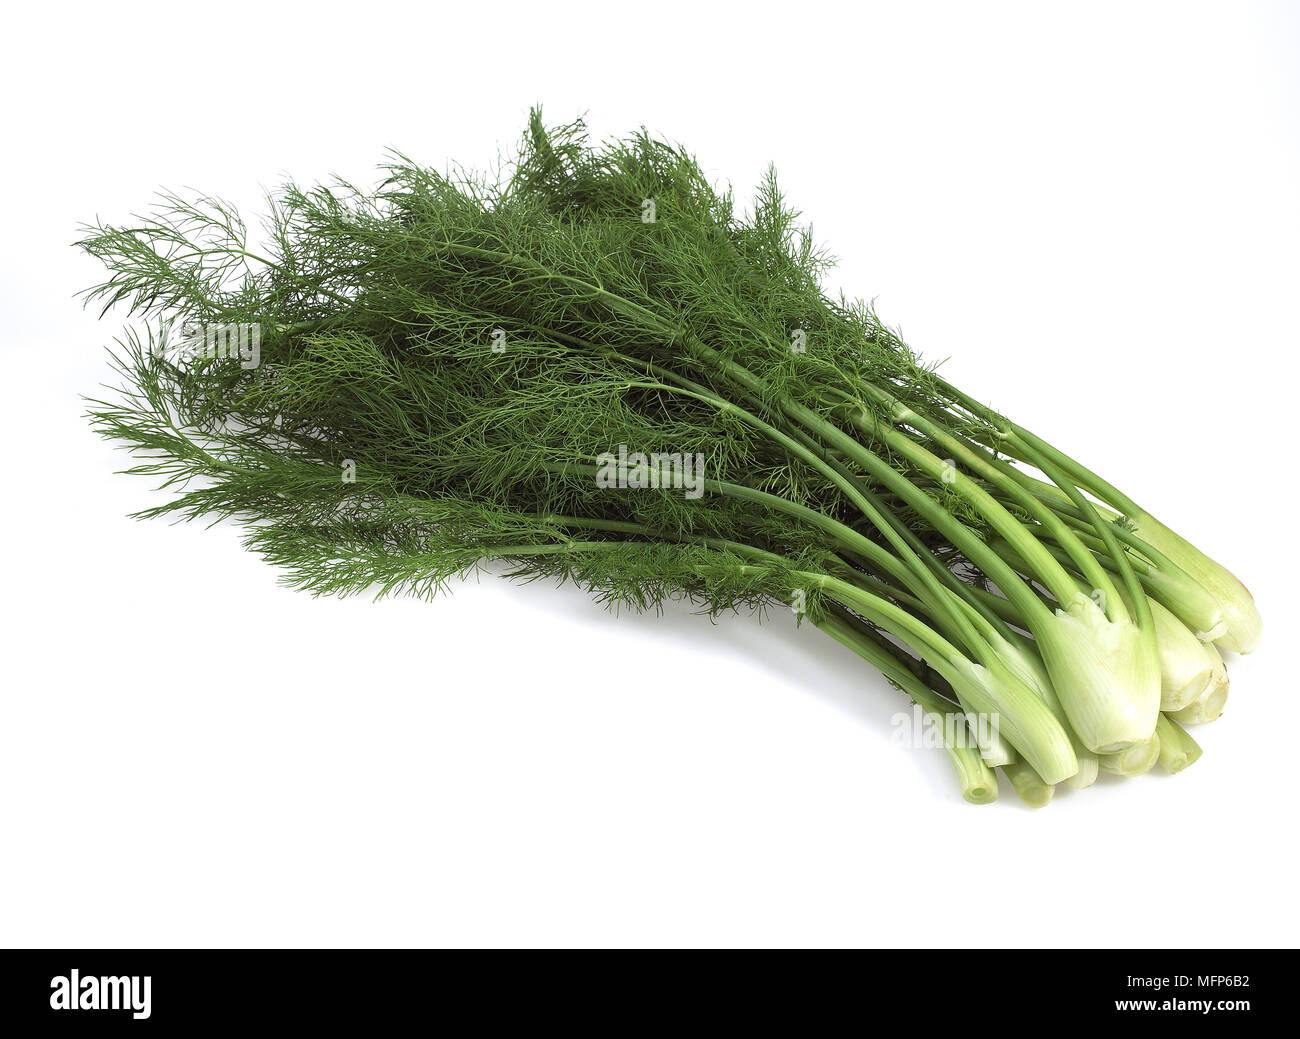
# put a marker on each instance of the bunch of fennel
(447, 364)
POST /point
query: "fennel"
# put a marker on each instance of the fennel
(449, 363)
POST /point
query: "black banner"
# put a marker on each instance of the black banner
(143, 991)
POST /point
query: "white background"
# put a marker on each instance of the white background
(1092, 208)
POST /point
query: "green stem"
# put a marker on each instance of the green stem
(903, 415)
(1015, 435)
(1046, 568)
(979, 785)
(1029, 786)
(867, 504)
(1177, 748)
(1141, 608)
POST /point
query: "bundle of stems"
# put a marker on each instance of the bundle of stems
(591, 367)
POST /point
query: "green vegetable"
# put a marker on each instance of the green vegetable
(594, 369)
(1177, 748)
